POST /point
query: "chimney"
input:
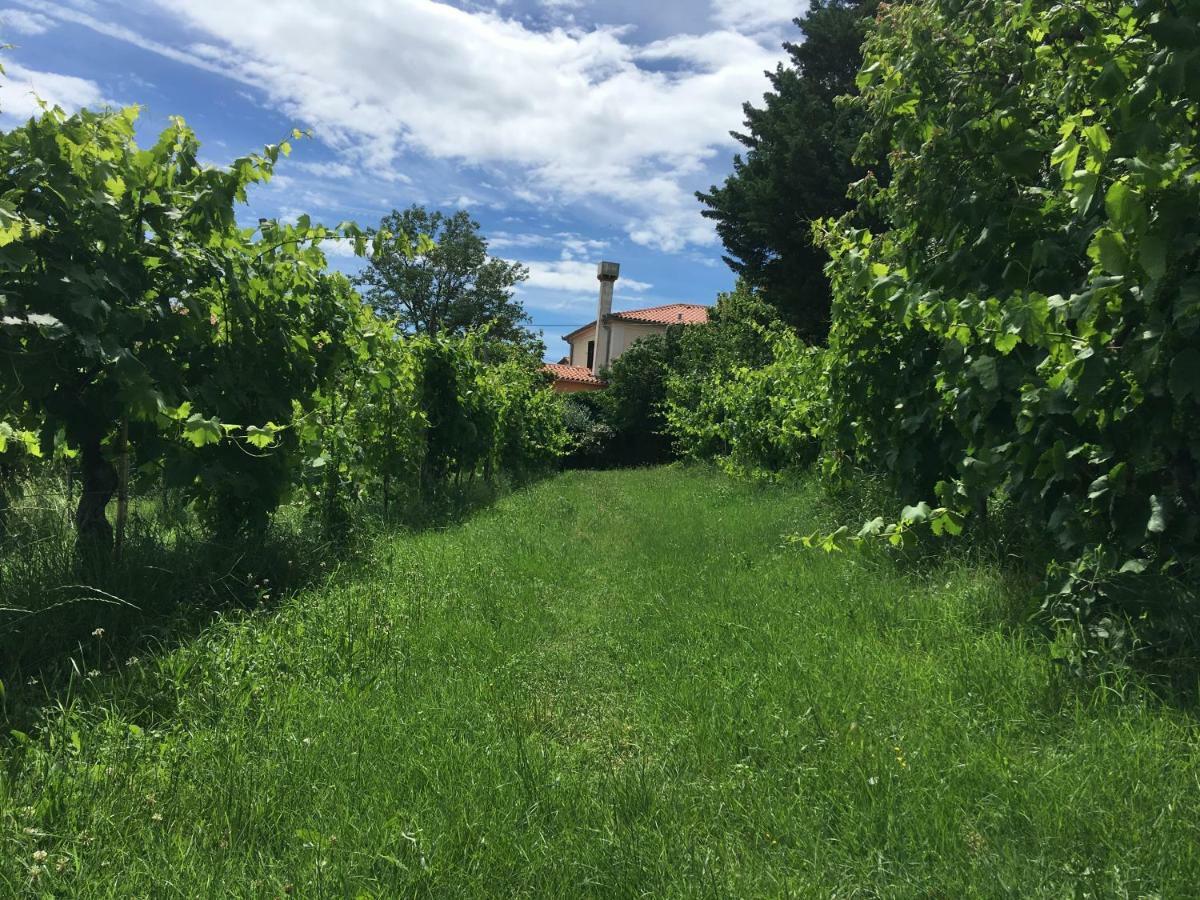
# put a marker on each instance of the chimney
(607, 273)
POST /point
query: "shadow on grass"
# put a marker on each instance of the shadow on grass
(62, 627)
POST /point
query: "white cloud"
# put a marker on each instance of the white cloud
(21, 22)
(325, 169)
(756, 15)
(80, 13)
(712, 51)
(462, 201)
(339, 248)
(281, 183)
(567, 115)
(577, 247)
(501, 241)
(574, 276)
(569, 244)
(20, 89)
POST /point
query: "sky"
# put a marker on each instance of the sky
(572, 130)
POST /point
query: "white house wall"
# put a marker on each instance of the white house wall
(623, 335)
(579, 346)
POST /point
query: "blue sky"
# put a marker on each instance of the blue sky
(573, 130)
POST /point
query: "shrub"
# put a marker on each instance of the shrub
(1025, 324)
(589, 436)
(632, 405)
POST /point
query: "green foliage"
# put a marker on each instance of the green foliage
(730, 389)
(755, 420)
(745, 390)
(408, 414)
(589, 436)
(1016, 309)
(133, 302)
(796, 167)
(1025, 324)
(632, 404)
(450, 285)
(149, 336)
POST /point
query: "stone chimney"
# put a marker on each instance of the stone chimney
(607, 273)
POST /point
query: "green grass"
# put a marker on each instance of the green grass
(611, 684)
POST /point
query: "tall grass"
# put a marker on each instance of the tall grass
(167, 582)
(61, 619)
(611, 684)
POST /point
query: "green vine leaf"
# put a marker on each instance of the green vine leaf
(201, 431)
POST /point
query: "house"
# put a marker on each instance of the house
(596, 345)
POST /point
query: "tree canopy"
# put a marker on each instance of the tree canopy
(796, 168)
(451, 285)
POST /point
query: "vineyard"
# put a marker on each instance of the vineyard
(889, 588)
(161, 358)
(1015, 313)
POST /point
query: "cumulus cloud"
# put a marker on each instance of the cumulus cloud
(571, 115)
(507, 240)
(339, 248)
(711, 51)
(332, 170)
(21, 88)
(576, 247)
(569, 244)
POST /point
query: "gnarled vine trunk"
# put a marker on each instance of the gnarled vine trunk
(98, 484)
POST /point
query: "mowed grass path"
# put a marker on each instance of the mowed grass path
(612, 684)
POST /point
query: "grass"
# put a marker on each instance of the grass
(611, 684)
(172, 577)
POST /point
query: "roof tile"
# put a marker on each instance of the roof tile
(577, 374)
(671, 314)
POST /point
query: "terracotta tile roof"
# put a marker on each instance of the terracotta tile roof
(691, 313)
(671, 314)
(577, 374)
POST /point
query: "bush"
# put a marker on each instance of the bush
(589, 436)
(632, 405)
(745, 390)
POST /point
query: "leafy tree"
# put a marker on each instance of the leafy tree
(451, 286)
(632, 404)
(796, 168)
(744, 389)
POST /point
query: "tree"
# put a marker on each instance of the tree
(451, 287)
(632, 403)
(797, 167)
